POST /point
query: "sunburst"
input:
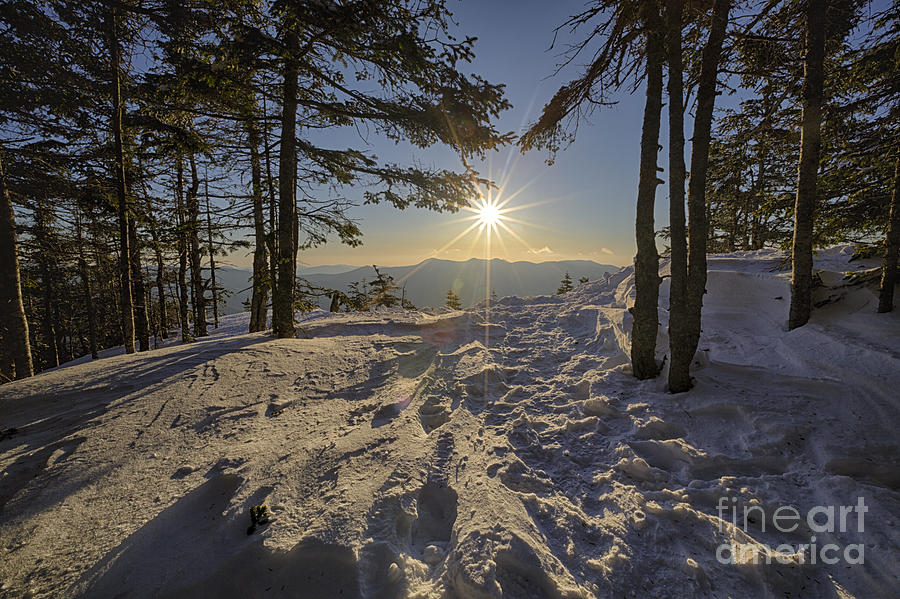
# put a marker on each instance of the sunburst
(489, 213)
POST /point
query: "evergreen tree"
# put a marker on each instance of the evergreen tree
(565, 286)
(383, 288)
(15, 361)
(631, 35)
(453, 300)
(424, 98)
(807, 170)
(689, 286)
(358, 300)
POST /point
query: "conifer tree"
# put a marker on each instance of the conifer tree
(808, 168)
(15, 360)
(383, 288)
(424, 99)
(631, 45)
(453, 301)
(689, 286)
(565, 286)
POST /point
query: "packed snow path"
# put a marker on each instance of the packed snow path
(466, 454)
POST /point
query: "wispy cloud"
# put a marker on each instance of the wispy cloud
(607, 251)
(544, 250)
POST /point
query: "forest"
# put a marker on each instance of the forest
(141, 140)
(711, 414)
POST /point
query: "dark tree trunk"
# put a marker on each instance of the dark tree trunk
(198, 291)
(160, 275)
(679, 364)
(50, 354)
(756, 236)
(85, 274)
(808, 168)
(646, 264)
(259, 299)
(13, 324)
(139, 295)
(891, 248)
(182, 252)
(283, 299)
(271, 237)
(212, 258)
(698, 231)
(126, 307)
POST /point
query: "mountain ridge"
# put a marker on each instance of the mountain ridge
(428, 281)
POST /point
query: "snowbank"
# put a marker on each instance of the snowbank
(469, 455)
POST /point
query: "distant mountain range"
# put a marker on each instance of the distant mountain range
(427, 282)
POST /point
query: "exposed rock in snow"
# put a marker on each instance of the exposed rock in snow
(466, 454)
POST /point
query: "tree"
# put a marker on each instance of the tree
(453, 300)
(876, 71)
(127, 305)
(684, 332)
(808, 168)
(565, 286)
(677, 176)
(404, 302)
(259, 302)
(16, 357)
(631, 35)
(583, 280)
(383, 288)
(645, 311)
(182, 245)
(424, 98)
(358, 299)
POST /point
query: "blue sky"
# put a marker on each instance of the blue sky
(585, 201)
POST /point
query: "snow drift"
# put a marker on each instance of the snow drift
(467, 454)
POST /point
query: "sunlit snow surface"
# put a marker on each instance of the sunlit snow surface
(401, 457)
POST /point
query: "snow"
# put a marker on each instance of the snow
(407, 454)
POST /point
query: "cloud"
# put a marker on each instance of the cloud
(544, 250)
(607, 251)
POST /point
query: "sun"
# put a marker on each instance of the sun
(489, 214)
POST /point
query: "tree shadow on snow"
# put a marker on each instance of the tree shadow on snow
(194, 549)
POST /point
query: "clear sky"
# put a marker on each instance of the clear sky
(583, 204)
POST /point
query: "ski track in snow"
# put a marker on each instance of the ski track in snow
(463, 454)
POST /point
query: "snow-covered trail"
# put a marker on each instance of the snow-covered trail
(463, 455)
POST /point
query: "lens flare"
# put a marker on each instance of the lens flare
(489, 214)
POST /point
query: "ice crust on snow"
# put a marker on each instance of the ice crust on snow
(465, 453)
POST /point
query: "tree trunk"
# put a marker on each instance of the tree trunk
(127, 307)
(160, 274)
(680, 360)
(259, 299)
(891, 248)
(198, 290)
(139, 294)
(212, 256)
(50, 354)
(271, 237)
(646, 264)
(13, 324)
(86, 288)
(182, 252)
(698, 231)
(283, 299)
(808, 168)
